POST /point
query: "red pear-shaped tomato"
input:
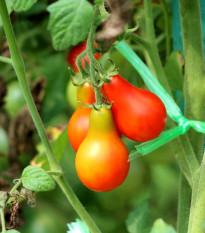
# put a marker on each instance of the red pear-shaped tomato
(102, 158)
(79, 122)
(139, 114)
(76, 51)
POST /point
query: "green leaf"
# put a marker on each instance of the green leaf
(59, 146)
(174, 70)
(36, 179)
(69, 22)
(138, 220)
(23, 5)
(160, 226)
(9, 8)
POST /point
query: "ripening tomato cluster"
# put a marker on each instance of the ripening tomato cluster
(102, 159)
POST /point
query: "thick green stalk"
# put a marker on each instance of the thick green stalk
(153, 51)
(20, 72)
(197, 213)
(70, 195)
(6, 60)
(184, 200)
(194, 85)
(2, 220)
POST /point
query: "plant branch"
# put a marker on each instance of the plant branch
(197, 213)
(90, 48)
(16, 186)
(6, 60)
(184, 200)
(70, 195)
(194, 69)
(2, 221)
(152, 47)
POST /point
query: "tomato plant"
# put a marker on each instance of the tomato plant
(102, 159)
(79, 121)
(77, 50)
(139, 114)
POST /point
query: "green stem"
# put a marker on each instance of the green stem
(184, 201)
(77, 205)
(78, 61)
(152, 47)
(19, 67)
(16, 186)
(197, 213)
(166, 26)
(20, 72)
(6, 60)
(90, 48)
(3, 221)
(194, 84)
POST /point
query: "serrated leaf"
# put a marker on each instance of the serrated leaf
(23, 5)
(138, 220)
(174, 70)
(36, 179)
(9, 8)
(160, 226)
(69, 22)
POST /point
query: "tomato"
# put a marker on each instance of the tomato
(14, 99)
(77, 50)
(139, 114)
(102, 159)
(79, 122)
(71, 94)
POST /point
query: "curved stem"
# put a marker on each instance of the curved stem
(90, 48)
(6, 60)
(16, 186)
(70, 195)
(2, 221)
(20, 72)
(78, 61)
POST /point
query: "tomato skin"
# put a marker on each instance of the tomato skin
(139, 114)
(79, 121)
(76, 51)
(102, 159)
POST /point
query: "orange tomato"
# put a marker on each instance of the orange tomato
(102, 159)
(79, 121)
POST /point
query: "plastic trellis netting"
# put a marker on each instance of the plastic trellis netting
(172, 108)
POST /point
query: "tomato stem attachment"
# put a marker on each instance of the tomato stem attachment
(93, 62)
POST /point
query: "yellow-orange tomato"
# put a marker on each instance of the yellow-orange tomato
(102, 159)
(79, 122)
